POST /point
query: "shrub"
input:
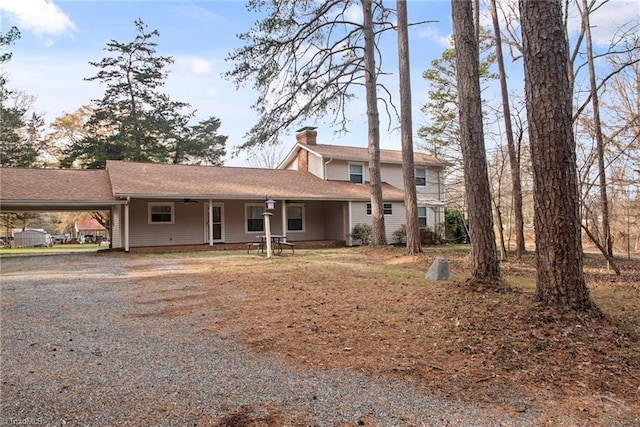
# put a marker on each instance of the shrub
(361, 233)
(429, 236)
(455, 226)
(400, 235)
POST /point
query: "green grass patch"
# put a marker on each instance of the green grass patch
(53, 249)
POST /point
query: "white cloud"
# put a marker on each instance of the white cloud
(40, 17)
(194, 64)
(433, 34)
(609, 19)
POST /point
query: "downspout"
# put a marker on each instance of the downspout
(324, 168)
(210, 222)
(126, 224)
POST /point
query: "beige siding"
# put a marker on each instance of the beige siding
(336, 221)
(315, 165)
(392, 174)
(433, 190)
(292, 165)
(187, 229)
(391, 222)
(338, 170)
(313, 222)
(233, 223)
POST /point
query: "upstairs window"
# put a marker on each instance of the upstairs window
(387, 208)
(421, 177)
(356, 173)
(254, 220)
(161, 212)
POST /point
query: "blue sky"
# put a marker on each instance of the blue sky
(59, 38)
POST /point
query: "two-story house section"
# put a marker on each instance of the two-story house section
(343, 163)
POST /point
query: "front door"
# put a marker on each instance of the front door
(218, 214)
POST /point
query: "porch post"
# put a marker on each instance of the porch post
(126, 225)
(210, 222)
(284, 219)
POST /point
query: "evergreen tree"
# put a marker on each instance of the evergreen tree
(134, 120)
(21, 140)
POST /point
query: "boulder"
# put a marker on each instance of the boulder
(439, 270)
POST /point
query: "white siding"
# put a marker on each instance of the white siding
(315, 165)
(392, 222)
(116, 227)
(433, 190)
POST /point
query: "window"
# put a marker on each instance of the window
(161, 212)
(254, 220)
(387, 208)
(421, 177)
(422, 216)
(356, 174)
(295, 217)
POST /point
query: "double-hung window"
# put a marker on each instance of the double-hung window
(356, 173)
(295, 217)
(421, 177)
(387, 208)
(253, 218)
(161, 213)
(422, 216)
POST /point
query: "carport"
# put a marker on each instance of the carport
(58, 190)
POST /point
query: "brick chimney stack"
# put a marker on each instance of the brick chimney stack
(307, 135)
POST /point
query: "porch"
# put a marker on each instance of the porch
(304, 244)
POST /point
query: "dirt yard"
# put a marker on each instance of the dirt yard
(371, 311)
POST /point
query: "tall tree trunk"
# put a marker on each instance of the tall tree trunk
(606, 227)
(373, 121)
(559, 279)
(484, 257)
(514, 158)
(406, 131)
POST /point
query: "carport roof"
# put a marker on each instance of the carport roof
(183, 181)
(55, 189)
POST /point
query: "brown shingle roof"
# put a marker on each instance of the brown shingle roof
(25, 186)
(216, 182)
(361, 154)
(90, 224)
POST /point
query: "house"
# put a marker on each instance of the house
(321, 192)
(89, 230)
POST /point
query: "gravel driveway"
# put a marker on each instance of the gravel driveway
(72, 354)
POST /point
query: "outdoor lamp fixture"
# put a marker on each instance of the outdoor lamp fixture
(271, 204)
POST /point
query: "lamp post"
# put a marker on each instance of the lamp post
(267, 224)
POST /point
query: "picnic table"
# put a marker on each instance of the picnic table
(278, 242)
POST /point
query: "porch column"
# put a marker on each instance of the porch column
(126, 225)
(284, 219)
(210, 222)
(349, 225)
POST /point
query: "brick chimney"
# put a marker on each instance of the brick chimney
(307, 135)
